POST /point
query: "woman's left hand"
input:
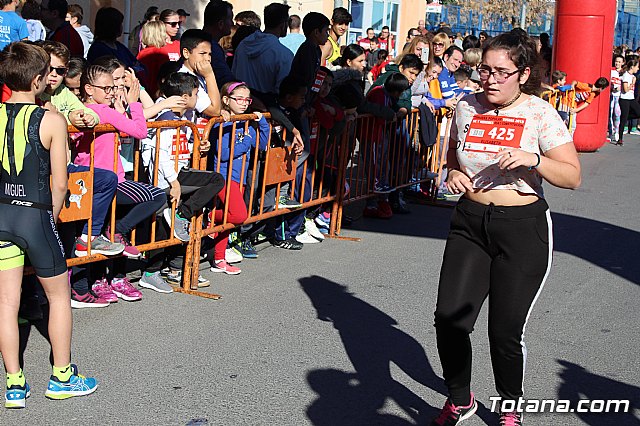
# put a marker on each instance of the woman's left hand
(509, 159)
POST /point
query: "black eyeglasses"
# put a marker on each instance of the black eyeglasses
(59, 70)
(500, 75)
(107, 89)
(173, 24)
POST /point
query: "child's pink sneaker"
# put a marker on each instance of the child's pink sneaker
(125, 290)
(103, 290)
(223, 266)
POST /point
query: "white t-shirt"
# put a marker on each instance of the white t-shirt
(615, 82)
(533, 126)
(628, 78)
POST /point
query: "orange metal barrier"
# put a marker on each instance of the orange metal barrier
(563, 102)
(73, 212)
(380, 153)
(343, 166)
(309, 182)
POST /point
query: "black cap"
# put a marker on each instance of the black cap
(182, 12)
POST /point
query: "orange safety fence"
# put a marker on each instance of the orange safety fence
(338, 167)
(275, 170)
(562, 101)
(75, 210)
(388, 155)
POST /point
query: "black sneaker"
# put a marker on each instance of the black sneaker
(285, 202)
(452, 415)
(290, 244)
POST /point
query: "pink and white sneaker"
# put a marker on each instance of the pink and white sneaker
(510, 419)
(103, 290)
(130, 251)
(125, 290)
(223, 266)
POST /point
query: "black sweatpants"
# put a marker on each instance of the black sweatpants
(503, 253)
(629, 108)
(200, 187)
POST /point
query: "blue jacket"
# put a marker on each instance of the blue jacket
(244, 142)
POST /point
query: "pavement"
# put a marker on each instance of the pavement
(341, 333)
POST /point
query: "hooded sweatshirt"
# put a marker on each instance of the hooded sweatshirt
(354, 78)
(87, 37)
(243, 140)
(262, 62)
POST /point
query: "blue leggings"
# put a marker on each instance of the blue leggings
(105, 183)
(144, 198)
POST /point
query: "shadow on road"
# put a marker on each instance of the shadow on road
(578, 383)
(605, 245)
(372, 342)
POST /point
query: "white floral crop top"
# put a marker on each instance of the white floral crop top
(478, 134)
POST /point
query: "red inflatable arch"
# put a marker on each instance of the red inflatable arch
(582, 47)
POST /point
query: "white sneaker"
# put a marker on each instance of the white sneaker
(312, 229)
(232, 256)
(305, 238)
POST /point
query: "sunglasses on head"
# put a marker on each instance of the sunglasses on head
(173, 24)
(58, 70)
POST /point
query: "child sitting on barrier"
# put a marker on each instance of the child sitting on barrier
(198, 186)
(101, 95)
(236, 99)
(58, 96)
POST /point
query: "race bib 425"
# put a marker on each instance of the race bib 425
(490, 133)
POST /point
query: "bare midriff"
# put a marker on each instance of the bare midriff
(501, 197)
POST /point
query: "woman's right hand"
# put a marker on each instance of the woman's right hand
(458, 182)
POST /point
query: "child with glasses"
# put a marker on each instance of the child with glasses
(100, 94)
(57, 96)
(233, 166)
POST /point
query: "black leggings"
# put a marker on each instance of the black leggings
(503, 253)
(629, 108)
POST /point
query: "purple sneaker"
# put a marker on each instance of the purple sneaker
(102, 289)
(125, 290)
(129, 250)
(88, 300)
(452, 415)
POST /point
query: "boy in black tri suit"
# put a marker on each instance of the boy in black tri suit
(33, 185)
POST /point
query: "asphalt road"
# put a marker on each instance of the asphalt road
(342, 333)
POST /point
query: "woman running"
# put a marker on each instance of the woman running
(504, 142)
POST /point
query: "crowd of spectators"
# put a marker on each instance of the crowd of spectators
(298, 70)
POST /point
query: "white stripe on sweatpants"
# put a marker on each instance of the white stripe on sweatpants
(544, 280)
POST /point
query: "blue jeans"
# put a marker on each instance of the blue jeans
(105, 183)
(291, 223)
